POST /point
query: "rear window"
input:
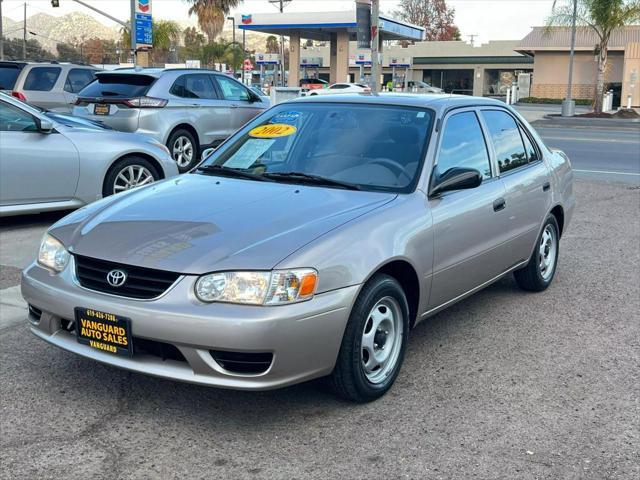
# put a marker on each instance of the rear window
(9, 75)
(118, 85)
(41, 79)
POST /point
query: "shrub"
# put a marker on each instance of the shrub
(555, 101)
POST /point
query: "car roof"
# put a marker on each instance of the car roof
(438, 102)
(157, 72)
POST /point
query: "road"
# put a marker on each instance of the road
(598, 154)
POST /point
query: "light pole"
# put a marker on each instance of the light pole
(375, 46)
(569, 106)
(233, 22)
(1, 35)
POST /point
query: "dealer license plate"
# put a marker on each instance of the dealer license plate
(104, 331)
(101, 109)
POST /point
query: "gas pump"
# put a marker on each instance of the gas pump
(268, 76)
(402, 65)
(310, 64)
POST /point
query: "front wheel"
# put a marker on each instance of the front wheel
(374, 342)
(128, 173)
(541, 269)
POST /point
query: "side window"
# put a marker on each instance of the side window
(463, 145)
(193, 86)
(77, 79)
(506, 139)
(338, 86)
(41, 79)
(13, 119)
(232, 90)
(532, 153)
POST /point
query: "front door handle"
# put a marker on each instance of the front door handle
(546, 187)
(499, 204)
(233, 105)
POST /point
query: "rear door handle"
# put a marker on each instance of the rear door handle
(499, 204)
(546, 186)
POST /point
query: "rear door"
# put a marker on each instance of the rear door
(526, 178)
(197, 101)
(42, 86)
(76, 79)
(237, 97)
(34, 167)
(470, 226)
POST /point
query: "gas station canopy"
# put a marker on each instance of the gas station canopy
(320, 25)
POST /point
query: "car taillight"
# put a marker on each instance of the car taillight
(367, 90)
(19, 96)
(145, 102)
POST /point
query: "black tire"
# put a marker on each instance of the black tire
(348, 379)
(531, 277)
(134, 161)
(195, 157)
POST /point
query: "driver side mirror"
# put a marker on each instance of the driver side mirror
(44, 126)
(454, 179)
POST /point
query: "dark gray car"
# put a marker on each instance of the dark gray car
(184, 109)
(308, 245)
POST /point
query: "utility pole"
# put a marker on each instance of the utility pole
(132, 31)
(282, 70)
(569, 106)
(472, 38)
(24, 33)
(375, 46)
(1, 37)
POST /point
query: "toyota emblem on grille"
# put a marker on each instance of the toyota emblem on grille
(116, 278)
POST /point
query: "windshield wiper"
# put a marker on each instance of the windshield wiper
(230, 172)
(310, 179)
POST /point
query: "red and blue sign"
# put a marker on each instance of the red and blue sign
(144, 6)
(246, 19)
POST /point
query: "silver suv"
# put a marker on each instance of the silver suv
(49, 85)
(185, 109)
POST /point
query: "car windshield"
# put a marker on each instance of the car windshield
(118, 85)
(368, 147)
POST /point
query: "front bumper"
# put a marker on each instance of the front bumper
(304, 338)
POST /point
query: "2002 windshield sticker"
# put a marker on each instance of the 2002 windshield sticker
(273, 130)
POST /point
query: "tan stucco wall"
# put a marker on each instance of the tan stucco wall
(551, 72)
(631, 74)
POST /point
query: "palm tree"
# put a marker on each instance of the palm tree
(272, 45)
(603, 17)
(211, 15)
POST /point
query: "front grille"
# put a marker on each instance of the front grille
(141, 283)
(243, 362)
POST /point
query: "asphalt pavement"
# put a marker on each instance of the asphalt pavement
(598, 153)
(505, 384)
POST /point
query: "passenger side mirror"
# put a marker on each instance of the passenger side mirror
(454, 179)
(206, 152)
(44, 126)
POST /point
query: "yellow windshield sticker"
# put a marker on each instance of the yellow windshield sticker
(273, 130)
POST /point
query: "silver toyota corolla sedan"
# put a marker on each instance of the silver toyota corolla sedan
(314, 240)
(52, 161)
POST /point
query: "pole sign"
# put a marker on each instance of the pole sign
(144, 24)
(267, 59)
(311, 62)
(401, 62)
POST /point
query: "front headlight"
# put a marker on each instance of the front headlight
(258, 288)
(52, 254)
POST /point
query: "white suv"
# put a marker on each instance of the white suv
(49, 85)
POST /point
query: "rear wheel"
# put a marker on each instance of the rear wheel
(128, 173)
(374, 342)
(539, 273)
(184, 149)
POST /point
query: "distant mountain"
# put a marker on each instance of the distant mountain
(66, 28)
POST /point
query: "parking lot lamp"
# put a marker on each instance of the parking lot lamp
(569, 105)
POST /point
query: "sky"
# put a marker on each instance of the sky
(488, 19)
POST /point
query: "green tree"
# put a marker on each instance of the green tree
(193, 43)
(235, 55)
(13, 50)
(166, 33)
(603, 17)
(435, 16)
(216, 52)
(68, 52)
(211, 15)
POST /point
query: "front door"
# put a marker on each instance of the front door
(35, 167)
(470, 226)
(239, 100)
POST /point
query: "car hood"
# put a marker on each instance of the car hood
(195, 224)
